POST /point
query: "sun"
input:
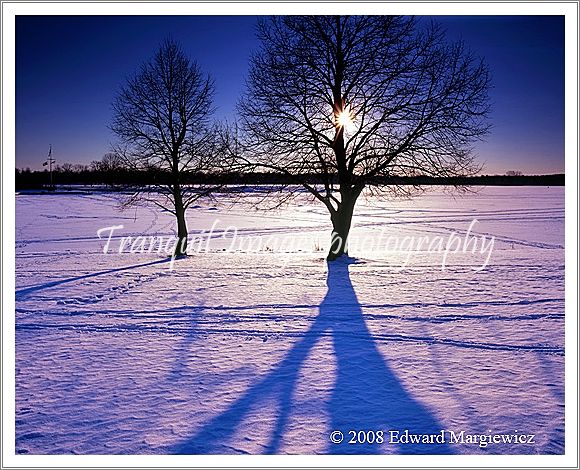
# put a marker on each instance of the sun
(345, 119)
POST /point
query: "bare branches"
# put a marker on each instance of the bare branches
(418, 102)
(356, 99)
(161, 117)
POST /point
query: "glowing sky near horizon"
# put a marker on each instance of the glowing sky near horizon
(69, 68)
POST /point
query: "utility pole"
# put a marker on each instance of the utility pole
(49, 161)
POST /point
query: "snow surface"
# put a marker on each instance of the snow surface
(270, 350)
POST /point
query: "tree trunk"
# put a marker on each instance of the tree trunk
(181, 246)
(341, 222)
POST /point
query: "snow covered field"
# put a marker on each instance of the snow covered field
(255, 345)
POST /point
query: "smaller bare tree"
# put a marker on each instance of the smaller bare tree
(161, 117)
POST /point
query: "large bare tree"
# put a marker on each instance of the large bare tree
(356, 99)
(161, 116)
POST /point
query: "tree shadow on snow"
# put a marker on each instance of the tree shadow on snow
(367, 395)
(21, 294)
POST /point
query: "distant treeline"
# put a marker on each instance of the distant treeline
(84, 175)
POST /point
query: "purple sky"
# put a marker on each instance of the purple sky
(69, 68)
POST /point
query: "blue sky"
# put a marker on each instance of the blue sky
(69, 68)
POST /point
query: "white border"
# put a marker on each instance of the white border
(569, 9)
(571, 224)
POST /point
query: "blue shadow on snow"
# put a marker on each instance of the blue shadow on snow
(367, 395)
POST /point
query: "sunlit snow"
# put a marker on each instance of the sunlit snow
(254, 344)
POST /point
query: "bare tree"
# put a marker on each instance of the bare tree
(161, 117)
(110, 162)
(356, 99)
(111, 170)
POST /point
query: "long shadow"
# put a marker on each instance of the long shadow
(367, 395)
(22, 293)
